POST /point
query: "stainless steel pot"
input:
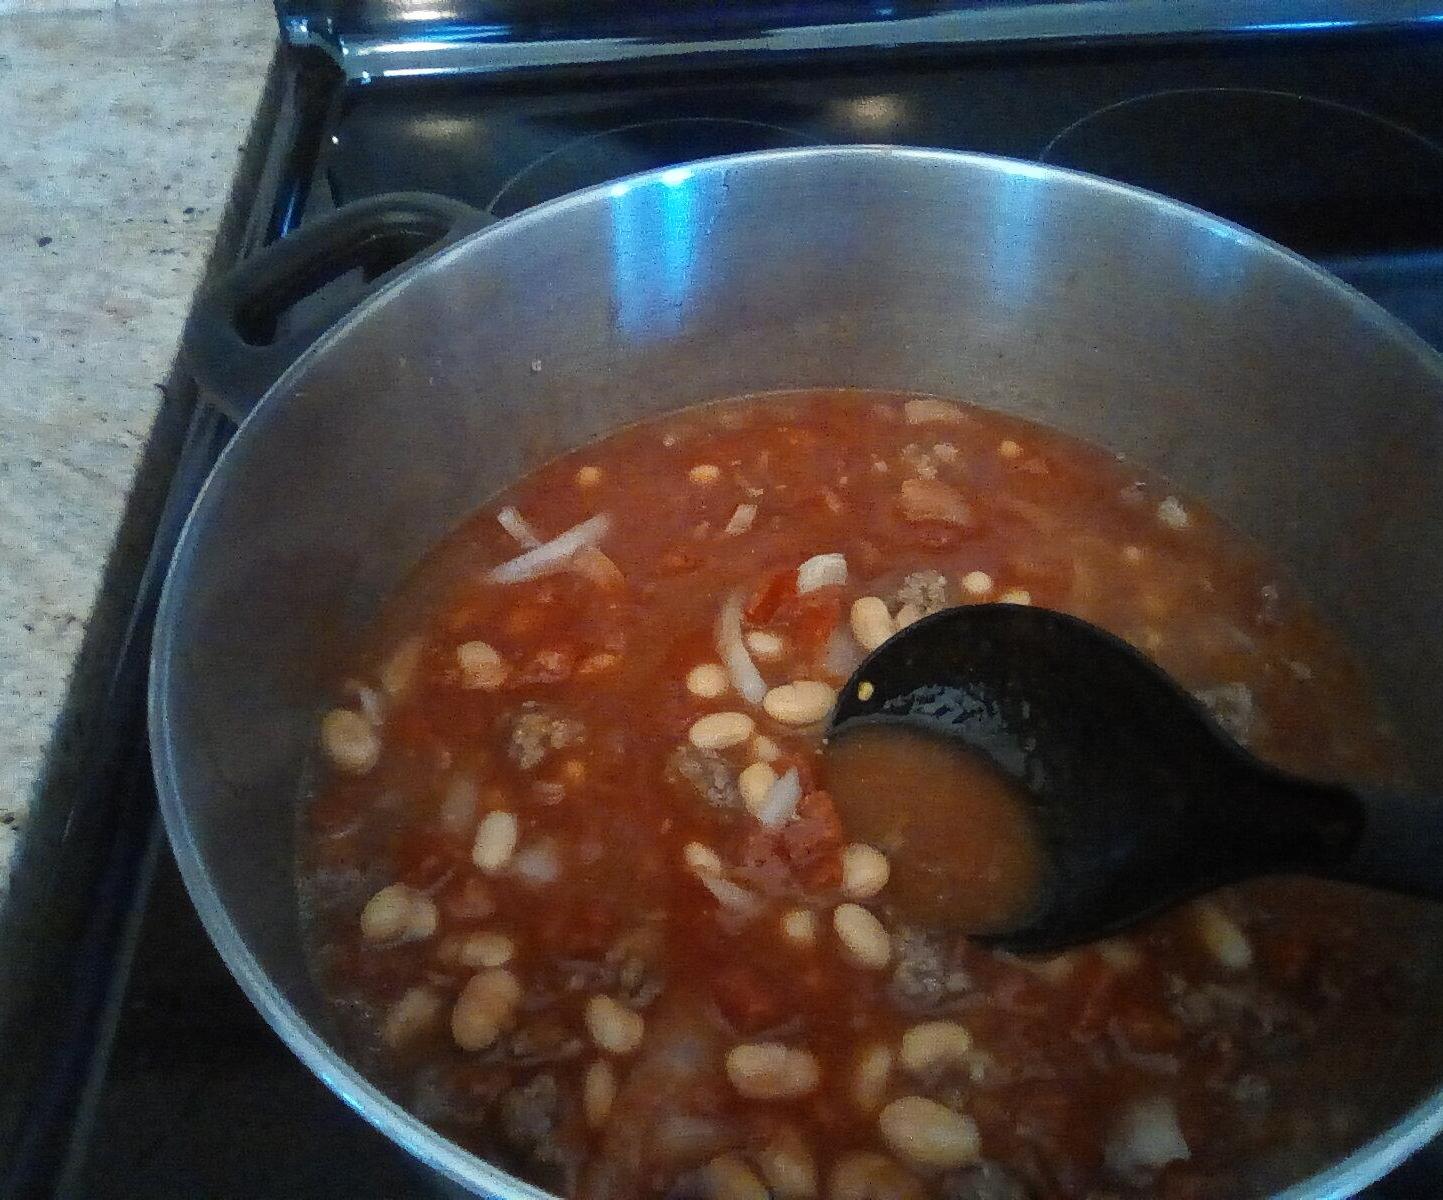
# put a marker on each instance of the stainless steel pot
(1296, 408)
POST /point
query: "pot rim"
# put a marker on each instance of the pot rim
(1342, 1179)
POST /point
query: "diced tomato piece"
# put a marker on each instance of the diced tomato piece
(813, 841)
(745, 999)
(768, 597)
(813, 619)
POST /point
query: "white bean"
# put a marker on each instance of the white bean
(1015, 596)
(935, 1044)
(598, 1093)
(411, 1016)
(727, 1177)
(1007, 448)
(865, 943)
(772, 1071)
(766, 646)
(720, 731)
(614, 1028)
(870, 1077)
(496, 838)
(929, 1135)
(788, 1166)
(1223, 937)
(398, 914)
(482, 668)
(704, 473)
(485, 949)
(865, 871)
(350, 741)
(866, 1175)
(588, 476)
(709, 680)
(905, 616)
(871, 622)
(977, 583)
(802, 703)
(799, 925)
(485, 1008)
(754, 783)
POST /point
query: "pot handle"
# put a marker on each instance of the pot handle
(234, 342)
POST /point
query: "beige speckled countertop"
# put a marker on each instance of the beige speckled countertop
(122, 131)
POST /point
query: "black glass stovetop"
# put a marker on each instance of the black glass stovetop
(1330, 143)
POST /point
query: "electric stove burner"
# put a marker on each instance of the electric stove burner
(627, 149)
(1379, 177)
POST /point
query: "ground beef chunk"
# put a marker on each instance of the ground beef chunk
(924, 977)
(536, 730)
(926, 590)
(706, 773)
(982, 1181)
(530, 1115)
(636, 974)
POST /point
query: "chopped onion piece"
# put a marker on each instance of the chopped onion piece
(515, 524)
(732, 896)
(373, 708)
(597, 566)
(843, 654)
(746, 678)
(781, 802)
(1146, 1138)
(552, 556)
(819, 571)
(741, 519)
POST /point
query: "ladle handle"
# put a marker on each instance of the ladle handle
(1400, 846)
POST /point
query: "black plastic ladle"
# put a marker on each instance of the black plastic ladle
(1140, 798)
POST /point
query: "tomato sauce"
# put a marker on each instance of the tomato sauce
(574, 876)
